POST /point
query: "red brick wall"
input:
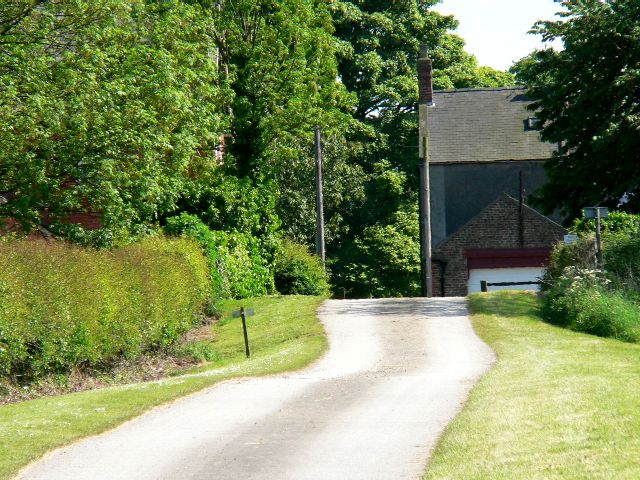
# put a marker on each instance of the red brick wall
(496, 227)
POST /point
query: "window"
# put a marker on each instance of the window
(531, 123)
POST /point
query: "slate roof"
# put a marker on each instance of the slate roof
(483, 125)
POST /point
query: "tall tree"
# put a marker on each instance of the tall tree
(377, 58)
(380, 47)
(281, 66)
(588, 101)
(115, 112)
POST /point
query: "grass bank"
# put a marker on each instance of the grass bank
(284, 334)
(557, 405)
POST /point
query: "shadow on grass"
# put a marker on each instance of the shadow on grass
(505, 304)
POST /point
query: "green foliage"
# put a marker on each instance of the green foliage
(343, 190)
(119, 108)
(580, 254)
(385, 261)
(622, 263)
(232, 204)
(587, 98)
(65, 306)
(237, 268)
(377, 62)
(380, 47)
(621, 252)
(110, 107)
(602, 303)
(282, 70)
(616, 223)
(299, 272)
(580, 301)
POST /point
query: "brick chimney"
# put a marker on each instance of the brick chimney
(425, 77)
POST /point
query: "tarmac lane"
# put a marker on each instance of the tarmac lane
(396, 373)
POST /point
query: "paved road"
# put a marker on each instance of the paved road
(396, 373)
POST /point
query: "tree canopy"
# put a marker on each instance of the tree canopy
(140, 110)
(116, 112)
(588, 101)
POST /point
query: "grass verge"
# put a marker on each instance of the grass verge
(284, 334)
(557, 405)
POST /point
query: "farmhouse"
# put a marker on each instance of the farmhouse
(485, 152)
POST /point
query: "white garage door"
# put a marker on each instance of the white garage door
(499, 275)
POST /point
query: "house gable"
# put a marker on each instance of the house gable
(504, 233)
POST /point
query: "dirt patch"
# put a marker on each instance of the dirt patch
(200, 334)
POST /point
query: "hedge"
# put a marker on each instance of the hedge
(297, 271)
(63, 306)
(237, 267)
(604, 303)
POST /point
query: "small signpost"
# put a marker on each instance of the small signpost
(243, 313)
(597, 213)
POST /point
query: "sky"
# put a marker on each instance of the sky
(495, 31)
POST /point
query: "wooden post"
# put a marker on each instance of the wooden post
(425, 100)
(521, 241)
(320, 247)
(244, 330)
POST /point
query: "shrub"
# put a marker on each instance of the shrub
(602, 303)
(237, 268)
(609, 314)
(63, 306)
(385, 258)
(619, 223)
(580, 300)
(299, 272)
(622, 261)
(580, 254)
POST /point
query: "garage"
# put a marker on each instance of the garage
(504, 275)
(509, 265)
(506, 242)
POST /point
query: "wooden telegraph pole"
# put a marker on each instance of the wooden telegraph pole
(425, 100)
(320, 249)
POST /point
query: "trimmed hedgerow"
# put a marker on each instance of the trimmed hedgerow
(63, 306)
(237, 268)
(299, 272)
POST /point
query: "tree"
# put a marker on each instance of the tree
(117, 115)
(281, 66)
(377, 62)
(385, 258)
(588, 101)
(380, 45)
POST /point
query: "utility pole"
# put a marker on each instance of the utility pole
(320, 250)
(425, 100)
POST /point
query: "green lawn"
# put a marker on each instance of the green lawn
(284, 333)
(557, 404)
